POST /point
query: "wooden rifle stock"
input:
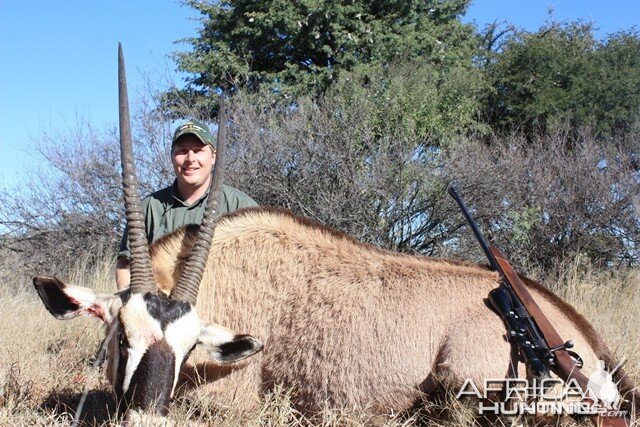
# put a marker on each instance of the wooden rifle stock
(561, 361)
(564, 365)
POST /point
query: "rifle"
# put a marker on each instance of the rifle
(537, 340)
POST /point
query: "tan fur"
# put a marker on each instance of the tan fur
(345, 323)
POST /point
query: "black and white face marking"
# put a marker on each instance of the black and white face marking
(154, 336)
(149, 338)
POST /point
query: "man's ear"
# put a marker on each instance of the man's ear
(226, 347)
(67, 301)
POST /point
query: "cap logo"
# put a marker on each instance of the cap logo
(191, 126)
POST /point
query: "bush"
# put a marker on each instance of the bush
(548, 201)
(346, 161)
(77, 206)
(325, 160)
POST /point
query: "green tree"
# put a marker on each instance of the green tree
(414, 99)
(615, 85)
(562, 77)
(540, 79)
(300, 47)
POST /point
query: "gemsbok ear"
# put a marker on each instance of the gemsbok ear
(68, 301)
(226, 347)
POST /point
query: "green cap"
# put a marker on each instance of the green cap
(197, 128)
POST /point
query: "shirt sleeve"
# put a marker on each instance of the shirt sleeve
(244, 201)
(125, 251)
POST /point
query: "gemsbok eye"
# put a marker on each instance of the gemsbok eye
(122, 341)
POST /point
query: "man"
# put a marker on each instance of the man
(193, 154)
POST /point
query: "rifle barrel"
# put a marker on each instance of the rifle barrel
(483, 243)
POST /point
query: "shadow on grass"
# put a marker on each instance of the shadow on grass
(99, 407)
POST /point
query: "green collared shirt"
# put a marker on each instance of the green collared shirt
(165, 211)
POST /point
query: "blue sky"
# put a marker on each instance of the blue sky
(59, 58)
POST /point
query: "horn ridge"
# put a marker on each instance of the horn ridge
(189, 283)
(141, 273)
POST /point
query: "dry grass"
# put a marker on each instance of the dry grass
(46, 364)
(611, 302)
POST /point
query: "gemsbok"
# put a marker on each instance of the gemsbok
(344, 324)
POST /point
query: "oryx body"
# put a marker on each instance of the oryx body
(346, 324)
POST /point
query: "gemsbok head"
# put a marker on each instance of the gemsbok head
(149, 334)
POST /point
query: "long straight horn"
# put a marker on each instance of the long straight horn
(141, 275)
(189, 283)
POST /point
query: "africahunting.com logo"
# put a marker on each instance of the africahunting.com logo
(550, 396)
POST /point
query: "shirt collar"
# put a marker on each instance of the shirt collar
(178, 198)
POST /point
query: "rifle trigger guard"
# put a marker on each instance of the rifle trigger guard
(576, 359)
(574, 356)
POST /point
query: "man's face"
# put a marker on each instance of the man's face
(192, 161)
